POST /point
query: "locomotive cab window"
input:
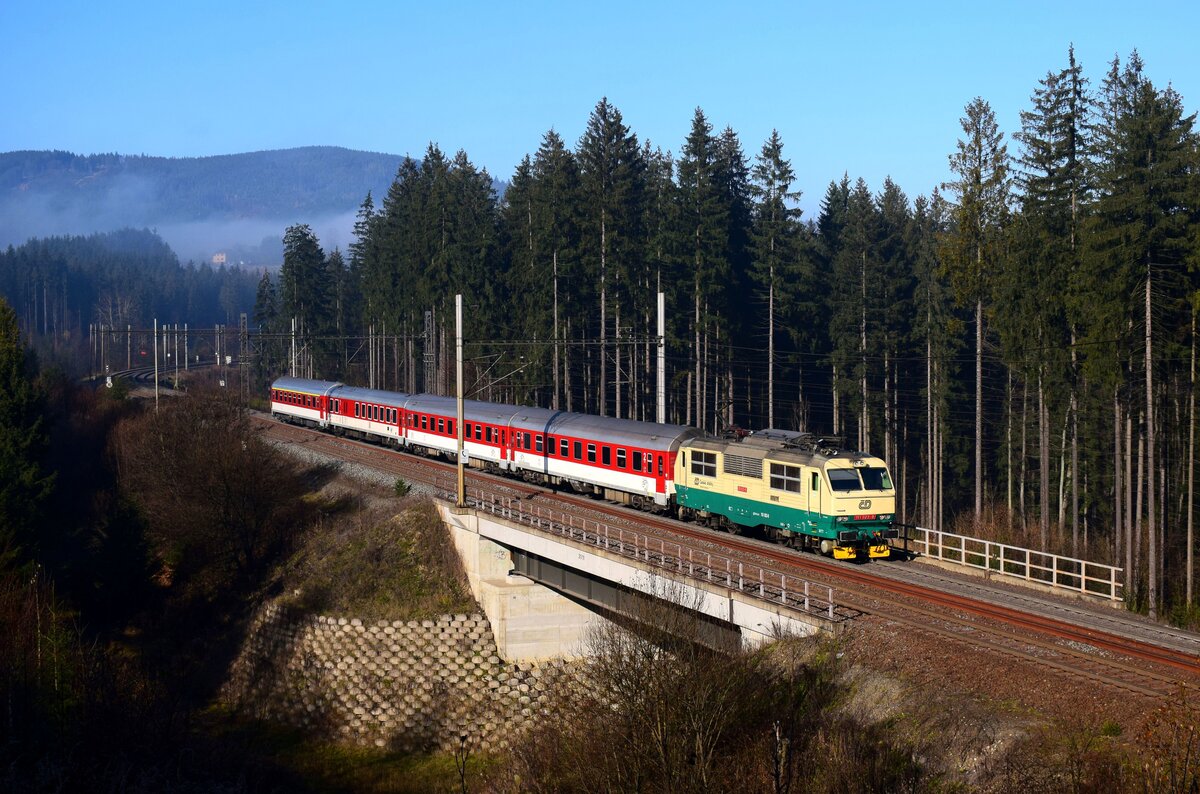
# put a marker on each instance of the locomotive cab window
(843, 480)
(785, 478)
(704, 463)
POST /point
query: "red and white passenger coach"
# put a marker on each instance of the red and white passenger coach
(620, 459)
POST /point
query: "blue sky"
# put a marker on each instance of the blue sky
(873, 89)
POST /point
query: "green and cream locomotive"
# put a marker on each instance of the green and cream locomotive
(799, 488)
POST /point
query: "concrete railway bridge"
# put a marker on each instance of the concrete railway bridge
(544, 578)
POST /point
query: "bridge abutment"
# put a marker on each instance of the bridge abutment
(530, 622)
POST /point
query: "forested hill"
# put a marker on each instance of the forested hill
(139, 190)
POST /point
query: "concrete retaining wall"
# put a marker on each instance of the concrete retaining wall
(416, 685)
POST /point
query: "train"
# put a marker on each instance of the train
(799, 489)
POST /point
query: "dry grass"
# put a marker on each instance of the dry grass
(393, 560)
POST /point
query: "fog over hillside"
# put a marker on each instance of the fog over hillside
(239, 205)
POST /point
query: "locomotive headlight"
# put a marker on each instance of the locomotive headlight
(842, 519)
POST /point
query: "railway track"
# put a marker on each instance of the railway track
(1107, 657)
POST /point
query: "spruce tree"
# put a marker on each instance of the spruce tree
(704, 217)
(612, 178)
(775, 244)
(973, 248)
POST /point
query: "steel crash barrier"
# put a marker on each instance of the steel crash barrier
(764, 584)
(1053, 570)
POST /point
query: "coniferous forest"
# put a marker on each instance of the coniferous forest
(1018, 344)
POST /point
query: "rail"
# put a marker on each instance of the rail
(763, 584)
(1067, 573)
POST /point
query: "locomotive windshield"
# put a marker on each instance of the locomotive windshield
(844, 480)
(876, 478)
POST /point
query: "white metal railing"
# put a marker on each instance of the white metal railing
(755, 581)
(1068, 573)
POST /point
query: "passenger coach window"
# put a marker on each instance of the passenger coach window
(704, 464)
(620, 458)
(606, 456)
(424, 422)
(564, 448)
(578, 450)
(785, 478)
(637, 461)
(537, 440)
(591, 453)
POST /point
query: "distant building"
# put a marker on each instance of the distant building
(218, 259)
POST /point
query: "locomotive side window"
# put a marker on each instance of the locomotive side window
(785, 478)
(816, 481)
(703, 463)
(591, 453)
(620, 458)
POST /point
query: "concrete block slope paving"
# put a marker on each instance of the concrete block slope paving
(410, 686)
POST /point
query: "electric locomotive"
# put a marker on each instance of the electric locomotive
(799, 488)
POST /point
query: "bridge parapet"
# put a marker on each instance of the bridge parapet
(759, 602)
